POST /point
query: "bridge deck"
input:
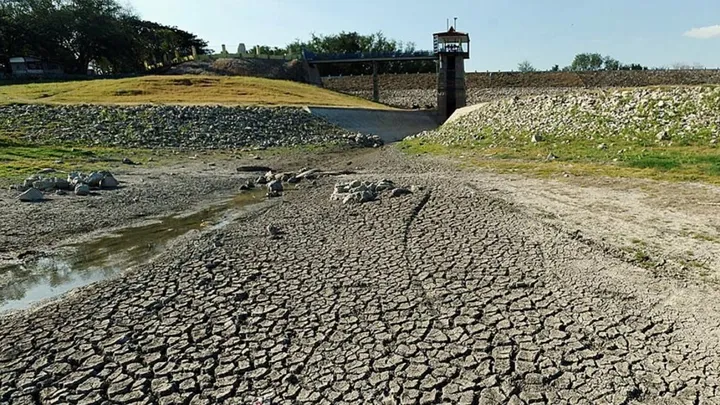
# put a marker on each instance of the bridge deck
(371, 59)
(314, 59)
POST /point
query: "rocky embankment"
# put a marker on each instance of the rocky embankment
(150, 126)
(427, 98)
(418, 90)
(674, 116)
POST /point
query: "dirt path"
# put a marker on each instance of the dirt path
(453, 294)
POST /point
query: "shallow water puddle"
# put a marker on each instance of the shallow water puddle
(98, 259)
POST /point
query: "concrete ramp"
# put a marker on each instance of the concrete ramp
(389, 125)
(460, 112)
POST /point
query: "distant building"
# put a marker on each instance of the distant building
(31, 66)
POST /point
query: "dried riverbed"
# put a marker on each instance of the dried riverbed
(451, 294)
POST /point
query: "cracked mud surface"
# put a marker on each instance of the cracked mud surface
(450, 295)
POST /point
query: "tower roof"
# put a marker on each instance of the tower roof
(451, 33)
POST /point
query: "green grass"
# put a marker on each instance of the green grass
(583, 158)
(235, 90)
(19, 160)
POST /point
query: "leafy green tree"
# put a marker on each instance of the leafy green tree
(353, 42)
(555, 68)
(587, 61)
(78, 32)
(525, 66)
(611, 64)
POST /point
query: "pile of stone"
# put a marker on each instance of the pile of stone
(358, 192)
(34, 187)
(274, 181)
(191, 127)
(684, 115)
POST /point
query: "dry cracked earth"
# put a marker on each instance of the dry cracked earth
(449, 295)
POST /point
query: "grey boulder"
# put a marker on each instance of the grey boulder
(400, 191)
(31, 195)
(109, 182)
(275, 186)
(82, 189)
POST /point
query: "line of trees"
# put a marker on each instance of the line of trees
(353, 42)
(78, 33)
(584, 62)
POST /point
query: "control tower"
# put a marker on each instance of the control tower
(451, 48)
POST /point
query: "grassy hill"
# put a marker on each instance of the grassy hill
(181, 90)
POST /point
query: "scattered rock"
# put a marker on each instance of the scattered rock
(602, 146)
(61, 192)
(61, 184)
(94, 179)
(46, 170)
(536, 138)
(550, 157)
(362, 192)
(307, 174)
(31, 195)
(44, 184)
(127, 161)
(663, 136)
(275, 186)
(243, 169)
(109, 181)
(399, 192)
(82, 189)
(273, 230)
(293, 180)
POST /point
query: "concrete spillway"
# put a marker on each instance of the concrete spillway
(389, 125)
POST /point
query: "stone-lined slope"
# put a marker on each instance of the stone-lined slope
(173, 126)
(644, 117)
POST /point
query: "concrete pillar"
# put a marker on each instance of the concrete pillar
(376, 86)
(450, 85)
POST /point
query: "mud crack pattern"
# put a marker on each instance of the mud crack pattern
(447, 296)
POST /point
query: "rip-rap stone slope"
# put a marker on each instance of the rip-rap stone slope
(674, 116)
(150, 126)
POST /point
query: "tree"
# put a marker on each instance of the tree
(75, 33)
(355, 43)
(525, 67)
(555, 68)
(587, 61)
(611, 64)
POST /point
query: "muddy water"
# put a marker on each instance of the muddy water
(101, 258)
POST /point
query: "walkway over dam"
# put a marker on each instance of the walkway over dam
(367, 57)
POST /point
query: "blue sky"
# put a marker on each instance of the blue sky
(503, 33)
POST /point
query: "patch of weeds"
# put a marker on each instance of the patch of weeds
(705, 237)
(126, 92)
(641, 257)
(653, 162)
